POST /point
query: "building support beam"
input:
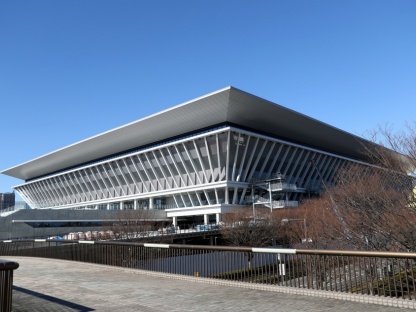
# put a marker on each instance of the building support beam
(218, 217)
(151, 202)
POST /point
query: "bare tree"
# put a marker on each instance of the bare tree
(376, 204)
(133, 224)
(240, 229)
(402, 143)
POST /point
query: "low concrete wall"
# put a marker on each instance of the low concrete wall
(10, 229)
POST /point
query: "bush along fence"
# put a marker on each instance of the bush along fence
(385, 274)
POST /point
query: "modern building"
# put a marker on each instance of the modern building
(194, 161)
(20, 204)
(7, 200)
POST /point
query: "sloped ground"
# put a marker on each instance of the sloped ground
(55, 285)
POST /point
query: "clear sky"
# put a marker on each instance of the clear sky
(72, 69)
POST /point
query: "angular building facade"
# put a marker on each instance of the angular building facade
(203, 158)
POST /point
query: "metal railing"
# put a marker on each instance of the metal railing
(6, 284)
(126, 230)
(385, 274)
(258, 200)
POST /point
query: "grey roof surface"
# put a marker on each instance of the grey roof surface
(227, 105)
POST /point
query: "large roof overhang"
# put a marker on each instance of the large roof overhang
(228, 105)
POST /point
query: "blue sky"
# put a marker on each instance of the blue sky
(72, 69)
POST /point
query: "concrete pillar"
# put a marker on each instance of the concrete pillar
(175, 221)
(135, 204)
(121, 205)
(151, 203)
(218, 217)
(108, 206)
(206, 219)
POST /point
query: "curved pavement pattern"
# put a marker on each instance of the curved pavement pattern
(55, 285)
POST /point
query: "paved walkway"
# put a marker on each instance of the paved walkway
(56, 285)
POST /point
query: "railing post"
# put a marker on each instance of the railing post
(6, 284)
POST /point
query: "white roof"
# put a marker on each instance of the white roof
(228, 105)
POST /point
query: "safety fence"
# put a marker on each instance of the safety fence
(6, 284)
(385, 274)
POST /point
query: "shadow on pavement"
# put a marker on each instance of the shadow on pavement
(29, 300)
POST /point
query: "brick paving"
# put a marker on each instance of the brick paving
(55, 285)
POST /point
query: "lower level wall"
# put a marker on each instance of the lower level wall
(11, 228)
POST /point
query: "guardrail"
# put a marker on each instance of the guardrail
(384, 274)
(6, 284)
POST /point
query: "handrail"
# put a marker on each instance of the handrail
(8, 265)
(357, 253)
(6, 284)
(277, 250)
(376, 273)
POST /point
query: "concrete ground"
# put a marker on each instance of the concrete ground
(55, 285)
